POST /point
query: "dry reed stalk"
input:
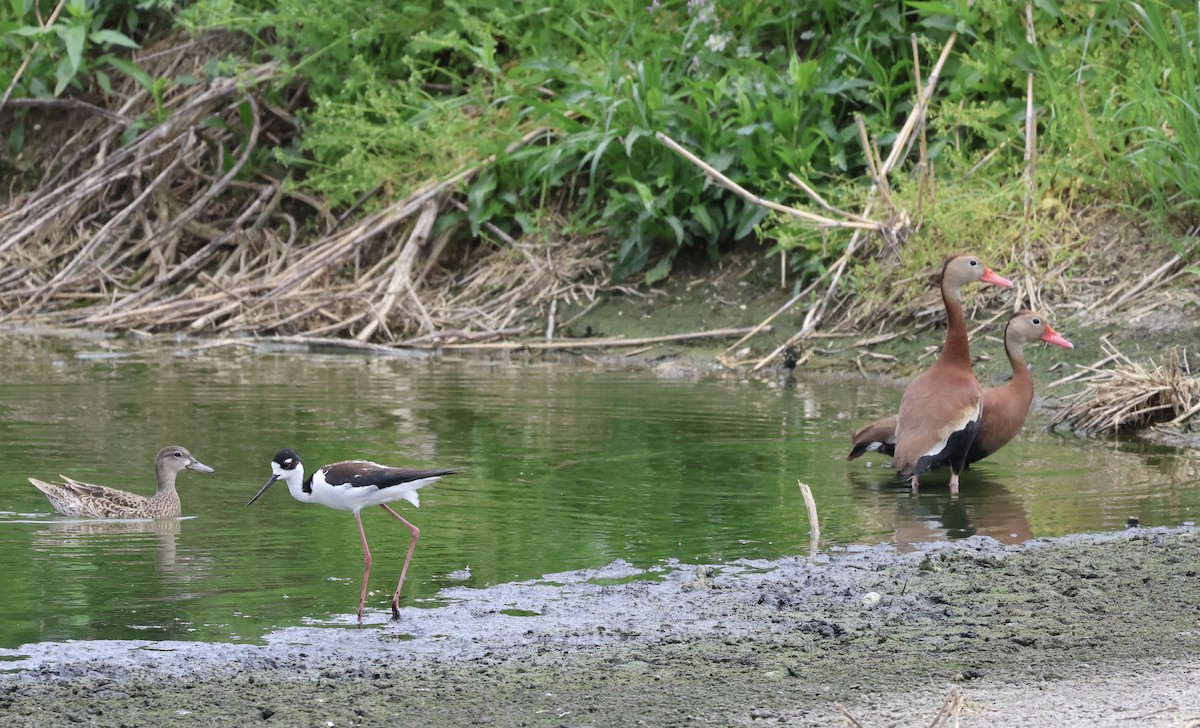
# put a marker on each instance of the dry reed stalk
(814, 525)
(162, 233)
(892, 233)
(1130, 395)
(1030, 123)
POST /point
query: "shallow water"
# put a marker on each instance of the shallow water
(568, 467)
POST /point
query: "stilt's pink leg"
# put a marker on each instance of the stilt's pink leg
(362, 598)
(416, 533)
(953, 483)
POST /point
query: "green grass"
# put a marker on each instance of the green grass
(400, 94)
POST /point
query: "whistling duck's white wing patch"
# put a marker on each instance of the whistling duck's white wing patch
(935, 406)
(958, 425)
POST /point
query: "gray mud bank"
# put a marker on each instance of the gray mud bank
(1085, 630)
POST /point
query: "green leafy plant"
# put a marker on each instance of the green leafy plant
(72, 44)
(401, 94)
(1166, 148)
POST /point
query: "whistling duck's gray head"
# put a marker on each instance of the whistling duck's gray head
(961, 269)
(1026, 327)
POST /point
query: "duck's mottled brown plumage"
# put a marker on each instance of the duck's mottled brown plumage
(76, 498)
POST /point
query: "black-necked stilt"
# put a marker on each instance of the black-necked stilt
(352, 485)
(75, 498)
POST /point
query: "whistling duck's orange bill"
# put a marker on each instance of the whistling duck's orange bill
(990, 276)
(1053, 337)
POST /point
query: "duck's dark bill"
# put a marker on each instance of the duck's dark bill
(264, 489)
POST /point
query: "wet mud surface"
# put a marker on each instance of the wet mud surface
(1084, 630)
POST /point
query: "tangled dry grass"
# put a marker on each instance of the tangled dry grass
(1130, 395)
(167, 231)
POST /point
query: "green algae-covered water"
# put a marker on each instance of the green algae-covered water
(568, 466)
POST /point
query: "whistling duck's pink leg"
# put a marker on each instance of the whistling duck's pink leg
(913, 482)
(416, 533)
(953, 483)
(362, 598)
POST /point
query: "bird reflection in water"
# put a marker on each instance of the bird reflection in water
(985, 508)
(103, 537)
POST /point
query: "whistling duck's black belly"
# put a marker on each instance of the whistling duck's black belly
(955, 453)
(976, 453)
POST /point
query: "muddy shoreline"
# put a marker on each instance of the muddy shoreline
(1081, 630)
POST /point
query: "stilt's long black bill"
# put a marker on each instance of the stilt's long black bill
(264, 489)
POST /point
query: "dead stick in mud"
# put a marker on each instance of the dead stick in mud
(813, 317)
(850, 720)
(1154, 277)
(873, 165)
(814, 526)
(778, 311)
(823, 203)
(70, 104)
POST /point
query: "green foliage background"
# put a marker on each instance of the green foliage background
(400, 94)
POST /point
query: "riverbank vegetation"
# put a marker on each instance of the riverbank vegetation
(427, 172)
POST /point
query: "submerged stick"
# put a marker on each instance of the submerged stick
(595, 343)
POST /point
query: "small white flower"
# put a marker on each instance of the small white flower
(716, 43)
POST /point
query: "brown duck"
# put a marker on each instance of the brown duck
(1004, 407)
(75, 498)
(940, 409)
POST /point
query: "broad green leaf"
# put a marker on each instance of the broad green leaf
(677, 226)
(701, 215)
(634, 134)
(113, 37)
(660, 270)
(752, 216)
(644, 194)
(73, 36)
(30, 31)
(128, 68)
(63, 73)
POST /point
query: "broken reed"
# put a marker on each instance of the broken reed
(1128, 395)
(182, 227)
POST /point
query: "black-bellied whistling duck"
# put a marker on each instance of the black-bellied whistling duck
(940, 409)
(1004, 407)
